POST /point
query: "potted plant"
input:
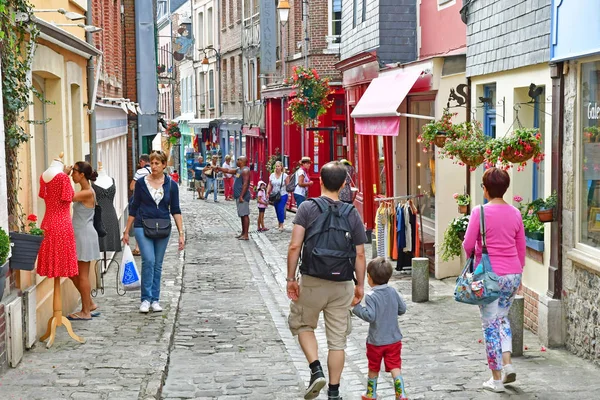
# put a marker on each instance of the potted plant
(463, 201)
(161, 68)
(310, 100)
(26, 245)
(591, 134)
(453, 238)
(437, 132)
(469, 145)
(534, 228)
(4, 256)
(545, 212)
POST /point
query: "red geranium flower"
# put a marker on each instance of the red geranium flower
(32, 217)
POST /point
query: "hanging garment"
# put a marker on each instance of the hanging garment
(417, 239)
(58, 253)
(105, 198)
(394, 235)
(401, 237)
(86, 237)
(407, 213)
(380, 226)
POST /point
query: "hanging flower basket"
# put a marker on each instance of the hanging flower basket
(471, 160)
(310, 100)
(467, 146)
(440, 140)
(546, 215)
(173, 132)
(519, 147)
(519, 157)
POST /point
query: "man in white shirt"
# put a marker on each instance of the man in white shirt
(144, 163)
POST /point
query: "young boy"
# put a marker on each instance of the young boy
(383, 306)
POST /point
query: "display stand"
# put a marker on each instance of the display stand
(58, 319)
(104, 267)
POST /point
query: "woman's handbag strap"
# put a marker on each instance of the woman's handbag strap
(482, 229)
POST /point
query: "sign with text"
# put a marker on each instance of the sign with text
(268, 37)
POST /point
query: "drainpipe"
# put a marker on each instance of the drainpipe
(468, 119)
(558, 107)
(90, 88)
(282, 126)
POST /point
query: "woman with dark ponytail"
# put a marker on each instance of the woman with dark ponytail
(86, 237)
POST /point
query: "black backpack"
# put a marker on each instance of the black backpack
(328, 251)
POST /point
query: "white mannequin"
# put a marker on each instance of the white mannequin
(103, 180)
(55, 168)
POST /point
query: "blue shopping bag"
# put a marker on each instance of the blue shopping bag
(129, 274)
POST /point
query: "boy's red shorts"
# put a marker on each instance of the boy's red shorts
(390, 353)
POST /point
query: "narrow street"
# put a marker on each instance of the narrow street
(223, 335)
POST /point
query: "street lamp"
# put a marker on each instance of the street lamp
(283, 8)
(205, 64)
(73, 16)
(87, 28)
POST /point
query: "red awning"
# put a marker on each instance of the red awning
(377, 110)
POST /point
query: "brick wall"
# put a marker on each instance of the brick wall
(107, 15)
(532, 301)
(3, 355)
(130, 72)
(507, 34)
(231, 55)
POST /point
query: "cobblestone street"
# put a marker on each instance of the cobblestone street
(223, 335)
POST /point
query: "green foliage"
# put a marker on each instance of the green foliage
(452, 245)
(4, 246)
(522, 143)
(17, 39)
(273, 158)
(531, 222)
(310, 100)
(469, 145)
(551, 201)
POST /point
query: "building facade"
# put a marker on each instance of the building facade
(575, 66)
(507, 64)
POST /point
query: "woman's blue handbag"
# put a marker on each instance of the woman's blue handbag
(480, 286)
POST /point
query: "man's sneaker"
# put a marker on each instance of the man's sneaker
(145, 306)
(317, 381)
(494, 386)
(156, 307)
(333, 395)
(509, 375)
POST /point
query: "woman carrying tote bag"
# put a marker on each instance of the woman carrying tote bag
(277, 183)
(155, 199)
(505, 237)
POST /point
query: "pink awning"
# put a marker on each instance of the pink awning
(377, 110)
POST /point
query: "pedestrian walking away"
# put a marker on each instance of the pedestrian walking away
(228, 179)
(326, 283)
(86, 238)
(143, 170)
(210, 171)
(277, 182)
(199, 177)
(349, 191)
(505, 240)
(261, 198)
(241, 193)
(155, 199)
(385, 339)
(303, 181)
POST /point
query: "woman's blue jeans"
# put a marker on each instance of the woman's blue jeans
(211, 184)
(299, 199)
(280, 208)
(153, 254)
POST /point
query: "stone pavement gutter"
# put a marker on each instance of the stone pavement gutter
(126, 354)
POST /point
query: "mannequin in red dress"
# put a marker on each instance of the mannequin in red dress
(58, 253)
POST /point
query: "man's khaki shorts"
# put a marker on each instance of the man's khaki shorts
(199, 183)
(334, 299)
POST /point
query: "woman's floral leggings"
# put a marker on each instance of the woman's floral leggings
(494, 318)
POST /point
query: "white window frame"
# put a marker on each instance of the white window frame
(330, 37)
(591, 255)
(443, 4)
(199, 32)
(210, 27)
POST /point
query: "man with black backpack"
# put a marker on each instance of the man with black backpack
(330, 235)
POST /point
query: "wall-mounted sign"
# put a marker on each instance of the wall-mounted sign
(268, 37)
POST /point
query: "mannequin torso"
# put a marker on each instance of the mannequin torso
(103, 180)
(55, 168)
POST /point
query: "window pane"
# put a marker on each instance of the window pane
(211, 89)
(423, 178)
(382, 172)
(589, 212)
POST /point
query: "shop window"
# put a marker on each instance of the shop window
(339, 106)
(340, 140)
(589, 165)
(382, 172)
(421, 167)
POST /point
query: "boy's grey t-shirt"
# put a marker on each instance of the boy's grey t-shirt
(309, 211)
(381, 310)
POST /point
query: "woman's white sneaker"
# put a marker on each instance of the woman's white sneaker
(494, 386)
(509, 375)
(156, 307)
(145, 306)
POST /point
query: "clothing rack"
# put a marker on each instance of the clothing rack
(410, 197)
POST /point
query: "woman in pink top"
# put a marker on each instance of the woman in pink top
(505, 237)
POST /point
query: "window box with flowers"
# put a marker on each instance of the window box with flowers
(25, 245)
(534, 228)
(310, 98)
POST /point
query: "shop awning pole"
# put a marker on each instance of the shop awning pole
(417, 116)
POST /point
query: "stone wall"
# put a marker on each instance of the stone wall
(507, 34)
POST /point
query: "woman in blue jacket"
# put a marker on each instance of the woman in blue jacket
(154, 198)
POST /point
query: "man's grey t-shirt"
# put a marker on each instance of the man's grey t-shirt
(309, 211)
